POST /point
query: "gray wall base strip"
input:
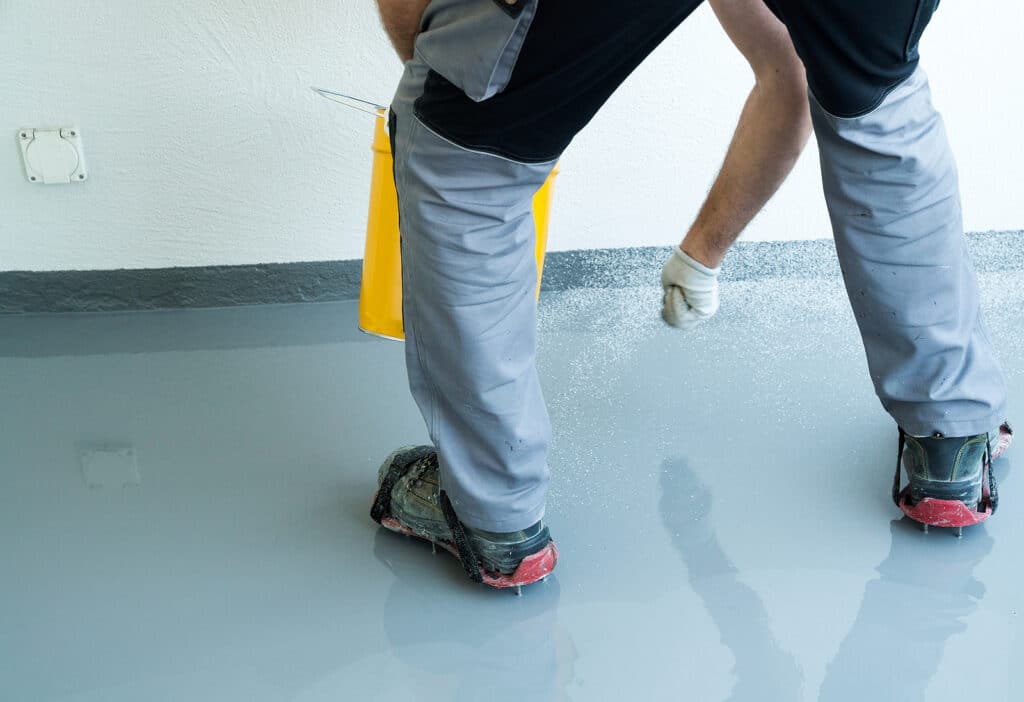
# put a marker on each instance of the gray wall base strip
(326, 281)
(172, 288)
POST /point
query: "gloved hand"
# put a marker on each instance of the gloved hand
(691, 291)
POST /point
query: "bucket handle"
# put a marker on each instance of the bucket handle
(370, 108)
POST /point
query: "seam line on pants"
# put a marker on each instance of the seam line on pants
(885, 93)
(425, 126)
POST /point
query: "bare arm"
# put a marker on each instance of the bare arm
(772, 131)
(401, 19)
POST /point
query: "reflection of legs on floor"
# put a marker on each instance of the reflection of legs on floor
(763, 670)
(925, 592)
(507, 649)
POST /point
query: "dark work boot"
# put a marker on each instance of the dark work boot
(950, 479)
(410, 501)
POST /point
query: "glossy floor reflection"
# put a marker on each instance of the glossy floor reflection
(720, 501)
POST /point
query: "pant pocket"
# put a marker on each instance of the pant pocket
(474, 44)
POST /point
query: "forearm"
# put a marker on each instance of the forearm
(772, 131)
(401, 20)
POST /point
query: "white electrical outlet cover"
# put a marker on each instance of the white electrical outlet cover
(110, 466)
(52, 156)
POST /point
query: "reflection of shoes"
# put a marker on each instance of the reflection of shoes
(524, 653)
(930, 565)
(410, 501)
(951, 483)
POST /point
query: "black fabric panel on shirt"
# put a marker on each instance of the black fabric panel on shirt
(855, 51)
(578, 52)
(575, 55)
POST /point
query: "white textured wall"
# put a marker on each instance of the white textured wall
(205, 145)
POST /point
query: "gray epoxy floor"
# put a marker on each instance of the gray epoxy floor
(720, 500)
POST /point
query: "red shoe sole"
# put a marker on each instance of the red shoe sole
(531, 569)
(944, 513)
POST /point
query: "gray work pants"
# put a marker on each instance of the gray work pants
(495, 93)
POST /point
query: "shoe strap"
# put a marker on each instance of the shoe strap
(899, 468)
(400, 465)
(470, 559)
(993, 490)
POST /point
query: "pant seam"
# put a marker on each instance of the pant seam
(471, 149)
(875, 104)
(435, 428)
(489, 524)
(994, 420)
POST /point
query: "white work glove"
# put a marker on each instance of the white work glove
(691, 291)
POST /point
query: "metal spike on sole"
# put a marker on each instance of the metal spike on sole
(433, 547)
(958, 532)
(924, 528)
(519, 590)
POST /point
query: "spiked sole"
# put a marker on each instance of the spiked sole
(945, 513)
(953, 513)
(531, 569)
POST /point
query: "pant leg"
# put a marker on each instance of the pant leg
(492, 97)
(891, 186)
(469, 276)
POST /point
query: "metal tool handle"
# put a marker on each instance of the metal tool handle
(355, 103)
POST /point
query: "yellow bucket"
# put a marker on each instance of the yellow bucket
(380, 295)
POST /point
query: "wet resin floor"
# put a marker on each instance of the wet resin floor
(185, 496)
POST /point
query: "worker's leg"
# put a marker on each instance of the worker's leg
(891, 185)
(893, 198)
(469, 279)
(492, 97)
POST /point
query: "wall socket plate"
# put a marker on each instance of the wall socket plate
(52, 156)
(109, 466)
